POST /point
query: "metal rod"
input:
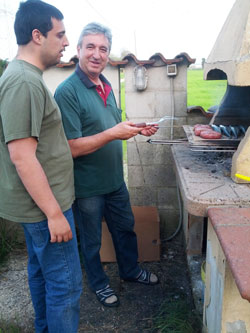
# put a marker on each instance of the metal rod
(214, 150)
(167, 142)
(176, 126)
(172, 107)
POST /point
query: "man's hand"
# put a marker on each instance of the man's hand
(60, 230)
(149, 130)
(126, 130)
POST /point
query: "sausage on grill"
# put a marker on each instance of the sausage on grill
(199, 127)
(210, 134)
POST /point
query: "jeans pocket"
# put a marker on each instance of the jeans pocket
(39, 232)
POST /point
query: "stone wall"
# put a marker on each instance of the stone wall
(151, 177)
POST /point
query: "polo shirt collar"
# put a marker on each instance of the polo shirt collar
(86, 81)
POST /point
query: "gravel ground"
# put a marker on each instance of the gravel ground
(139, 303)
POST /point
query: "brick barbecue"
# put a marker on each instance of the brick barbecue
(209, 187)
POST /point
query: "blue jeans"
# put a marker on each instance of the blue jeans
(116, 209)
(55, 278)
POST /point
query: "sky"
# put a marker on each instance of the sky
(141, 27)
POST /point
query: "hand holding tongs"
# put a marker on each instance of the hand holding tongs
(154, 123)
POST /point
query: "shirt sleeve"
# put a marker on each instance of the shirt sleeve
(22, 110)
(68, 104)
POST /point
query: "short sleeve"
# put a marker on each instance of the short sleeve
(67, 101)
(22, 109)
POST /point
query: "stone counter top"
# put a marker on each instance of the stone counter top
(232, 227)
(204, 180)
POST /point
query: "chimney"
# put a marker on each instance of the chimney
(230, 56)
(230, 60)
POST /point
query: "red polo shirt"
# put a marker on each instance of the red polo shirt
(103, 94)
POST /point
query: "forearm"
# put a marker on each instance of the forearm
(89, 144)
(35, 181)
(23, 156)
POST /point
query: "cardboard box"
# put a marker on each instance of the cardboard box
(147, 228)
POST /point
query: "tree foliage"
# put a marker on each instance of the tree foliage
(3, 65)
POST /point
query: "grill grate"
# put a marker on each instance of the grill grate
(196, 143)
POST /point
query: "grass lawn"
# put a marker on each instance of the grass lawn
(201, 92)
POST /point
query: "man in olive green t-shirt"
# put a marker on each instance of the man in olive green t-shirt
(36, 169)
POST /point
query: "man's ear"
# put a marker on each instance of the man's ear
(78, 51)
(37, 36)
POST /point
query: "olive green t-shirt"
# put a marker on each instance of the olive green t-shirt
(27, 109)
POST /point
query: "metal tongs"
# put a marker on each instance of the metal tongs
(154, 123)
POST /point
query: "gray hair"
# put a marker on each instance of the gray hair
(95, 29)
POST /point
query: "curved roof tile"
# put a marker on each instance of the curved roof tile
(131, 57)
(186, 55)
(198, 108)
(72, 62)
(164, 60)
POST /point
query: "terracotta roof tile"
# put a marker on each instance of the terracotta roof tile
(131, 56)
(199, 109)
(182, 57)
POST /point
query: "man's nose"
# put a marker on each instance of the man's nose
(65, 41)
(96, 53)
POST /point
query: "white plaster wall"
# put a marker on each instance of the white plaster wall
(236, 310)
(53, 76)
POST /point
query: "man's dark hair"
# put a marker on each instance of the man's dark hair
(34, 14)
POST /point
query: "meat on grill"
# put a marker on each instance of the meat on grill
(206, 132)
(210, 134)
(199, 127)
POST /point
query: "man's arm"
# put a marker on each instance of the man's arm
(23, 156)
(86, 145)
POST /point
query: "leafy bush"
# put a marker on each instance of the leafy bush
(3, 65)
(8, 241)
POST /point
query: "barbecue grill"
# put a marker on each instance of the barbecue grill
(204, 178)
(229, 59)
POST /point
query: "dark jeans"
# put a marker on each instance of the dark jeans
(116, 209)
(55, 278)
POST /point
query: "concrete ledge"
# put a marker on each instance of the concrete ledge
(232, 227)
(205, 183)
